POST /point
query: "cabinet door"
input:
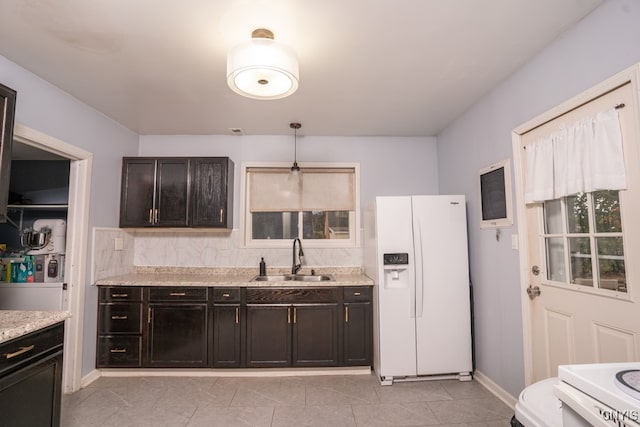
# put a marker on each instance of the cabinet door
(226, 335)
(357, 334)
(268, 335)
(172, 200)
(315, 338)
(136, 198)
(7, 118)
(177, 335)
(32, 395)
(212, 192)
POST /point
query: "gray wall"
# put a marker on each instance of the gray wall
(602, 44)
(46, 108)
(388, 165)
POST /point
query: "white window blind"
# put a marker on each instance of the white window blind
(325, 189)
(584, 157)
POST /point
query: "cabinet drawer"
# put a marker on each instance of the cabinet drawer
(119, 351)
(221, 295)
(120, 293)
(13, 353)
(177, 294)
(357, 293)
(291, 295)
(119, 318)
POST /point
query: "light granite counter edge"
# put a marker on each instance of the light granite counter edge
(224, 280)
(16, 323)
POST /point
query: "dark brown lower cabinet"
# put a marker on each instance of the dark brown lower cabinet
(315, 335)
(226, 344)
(177, 335)
(268, 337)
(357, 333)
(190, 327)
(31, 379)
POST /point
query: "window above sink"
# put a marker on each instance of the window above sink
(319, 205)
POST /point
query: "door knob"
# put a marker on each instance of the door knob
(533, 292)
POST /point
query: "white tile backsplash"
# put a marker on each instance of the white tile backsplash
(201, 249)
(107, 261)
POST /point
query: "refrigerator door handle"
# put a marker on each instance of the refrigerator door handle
(419, 272)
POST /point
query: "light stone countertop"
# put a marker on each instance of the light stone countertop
(15, 323)
(181, 276)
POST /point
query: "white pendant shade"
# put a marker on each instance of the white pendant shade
(262, 69)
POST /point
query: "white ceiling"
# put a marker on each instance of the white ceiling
(367, 67)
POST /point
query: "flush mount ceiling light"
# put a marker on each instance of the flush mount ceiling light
(295, 169)
(261, 68)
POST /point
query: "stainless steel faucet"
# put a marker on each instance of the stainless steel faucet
(296, 267)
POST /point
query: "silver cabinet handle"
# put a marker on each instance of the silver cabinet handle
(118, 350)
(119, 295)
(357, 294)
(237, 315)
(346, 314)
(114, 317)
(150, 216)
(177, 294)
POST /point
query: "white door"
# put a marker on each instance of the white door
(395, 290)
(443, 313)
(584, 257)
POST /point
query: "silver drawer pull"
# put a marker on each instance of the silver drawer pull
(177, 294)
(119, 295)
(226, 295)
(357, 294)
(22, 350)
(119, 317)
(118, 350)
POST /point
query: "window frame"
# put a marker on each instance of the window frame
(246, 223)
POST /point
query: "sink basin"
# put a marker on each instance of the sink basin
(294, 277)
(312, 278)
(272, 278)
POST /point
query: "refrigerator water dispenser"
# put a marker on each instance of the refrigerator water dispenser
(395, 270)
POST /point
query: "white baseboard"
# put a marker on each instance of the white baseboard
(240, 372)
(90, 377)
(494, 388)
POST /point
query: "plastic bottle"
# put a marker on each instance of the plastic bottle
(263, 267)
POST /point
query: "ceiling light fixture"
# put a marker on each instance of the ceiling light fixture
(261, 68)
(295, 169)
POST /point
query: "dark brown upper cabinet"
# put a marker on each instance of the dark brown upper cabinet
(212, 192)
(177, 192)
(7, 118)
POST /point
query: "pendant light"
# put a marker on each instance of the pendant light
(295, 169)
(261, 68)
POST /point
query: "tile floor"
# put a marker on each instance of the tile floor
(345, 400)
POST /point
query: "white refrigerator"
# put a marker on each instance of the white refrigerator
(416, 252)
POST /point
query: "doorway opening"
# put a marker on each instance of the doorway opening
(80, 164)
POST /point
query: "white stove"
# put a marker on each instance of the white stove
(600, 394)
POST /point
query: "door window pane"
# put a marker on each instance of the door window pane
(577, 214)
(553, 217)
(611, 264)
(555, 259)
(274, 225)
(580, 258)
(607, 211)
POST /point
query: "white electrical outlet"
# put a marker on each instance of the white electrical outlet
(514, 241)
(118, 244)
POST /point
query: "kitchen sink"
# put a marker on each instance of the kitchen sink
(272, 278)
(294, 277)
(312, 278)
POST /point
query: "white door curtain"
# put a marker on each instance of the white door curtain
(583, 157)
